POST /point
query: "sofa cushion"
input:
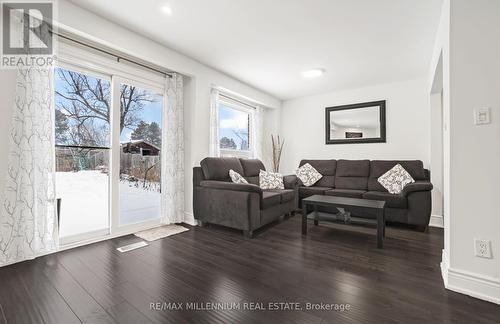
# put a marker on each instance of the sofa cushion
(252, 167)
(395, 179)
(309, 191)
(353, 168)
(357, 183)
(352, 174)
(218, 168)
(253, 180)
(392, 201)
(236, 177)
(351, 193)
(286, 194)
(326, 168)
(377, 168)
(271, 180)
(308, 175)
(270, 198)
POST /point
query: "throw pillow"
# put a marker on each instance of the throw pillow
(308, 175)
(236, 177)
(270, 180)
(395, 179)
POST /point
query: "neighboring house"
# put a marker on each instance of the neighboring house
(141, 147)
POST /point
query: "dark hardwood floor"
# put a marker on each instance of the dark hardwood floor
(333, 264)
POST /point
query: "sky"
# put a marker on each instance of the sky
(231, 121)
(152, 112)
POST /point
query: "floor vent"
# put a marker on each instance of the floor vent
(133, 246)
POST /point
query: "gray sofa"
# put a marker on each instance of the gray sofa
(217, 200)
(358, 179)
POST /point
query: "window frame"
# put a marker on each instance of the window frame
(235, 104)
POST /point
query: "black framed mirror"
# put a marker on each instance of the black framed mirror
(356, 123)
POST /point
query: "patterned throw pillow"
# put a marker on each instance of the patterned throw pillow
(308, 175)
(236, 177)
(395, 179)
(270, 180)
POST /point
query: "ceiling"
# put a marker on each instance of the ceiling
(267, 44)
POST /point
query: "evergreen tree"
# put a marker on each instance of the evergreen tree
(154, 135)
(227, 143)
(148, 132)
(61, 127)
(141, 132)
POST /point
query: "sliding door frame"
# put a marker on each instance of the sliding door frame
(79, 59)
(116, 83)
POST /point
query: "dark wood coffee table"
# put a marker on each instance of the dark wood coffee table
(374, 207)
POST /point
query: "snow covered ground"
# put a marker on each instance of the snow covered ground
(137, 204)
(85, 200)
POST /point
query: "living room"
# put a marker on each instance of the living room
(249, 162)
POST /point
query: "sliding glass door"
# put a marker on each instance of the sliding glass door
(108, 128)
(82, 133)
(140, 154)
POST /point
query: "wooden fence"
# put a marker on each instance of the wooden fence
(132, 166)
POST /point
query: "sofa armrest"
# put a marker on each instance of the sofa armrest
(417, 186)
(290, 181)
(231, 186)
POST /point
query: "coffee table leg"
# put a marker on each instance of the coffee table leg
(304, 218)
(383, 218)
(380, 229)
(316, 221)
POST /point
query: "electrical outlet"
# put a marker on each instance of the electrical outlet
(482, 248)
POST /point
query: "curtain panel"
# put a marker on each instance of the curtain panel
(258, 133)
(214, 149)
(28, 222)
(173, 146)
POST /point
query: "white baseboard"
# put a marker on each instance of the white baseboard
(436, 221)
(444, 267)
(472, 284)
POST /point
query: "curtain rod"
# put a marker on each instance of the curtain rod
(113, 54)
(237, 100)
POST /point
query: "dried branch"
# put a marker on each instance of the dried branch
(277, 147)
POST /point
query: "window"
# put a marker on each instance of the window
(236, 125)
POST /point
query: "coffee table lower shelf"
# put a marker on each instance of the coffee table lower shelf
(344, 217)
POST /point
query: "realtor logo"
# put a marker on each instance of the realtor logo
(27, 38)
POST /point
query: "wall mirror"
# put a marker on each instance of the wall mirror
(356, 123)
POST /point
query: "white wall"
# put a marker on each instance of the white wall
(475, 150)
(198, 83)
(272, 118)
(407, 114)
(469, 40)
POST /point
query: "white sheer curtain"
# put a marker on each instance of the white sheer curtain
(28, 222)
(258, 133)
(214, 123)
(173, 148)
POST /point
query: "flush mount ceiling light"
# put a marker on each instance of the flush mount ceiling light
(313, 73)
(167, 10)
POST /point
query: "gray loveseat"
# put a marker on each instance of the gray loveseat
(358, 179)
(217, 200)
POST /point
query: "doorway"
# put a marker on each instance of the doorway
(437, 146)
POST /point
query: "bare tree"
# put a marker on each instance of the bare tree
(86, 100)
